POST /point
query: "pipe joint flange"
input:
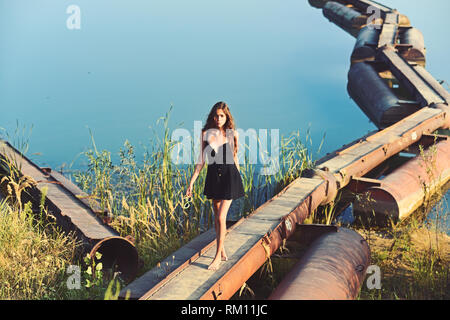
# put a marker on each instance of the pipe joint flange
(332, 185)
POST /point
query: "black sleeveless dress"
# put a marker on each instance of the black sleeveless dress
(223, 180)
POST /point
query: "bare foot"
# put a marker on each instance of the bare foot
(215, 264)
(224, 255)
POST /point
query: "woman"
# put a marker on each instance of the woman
(223, 182)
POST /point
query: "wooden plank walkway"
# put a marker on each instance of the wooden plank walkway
(410, 78)
(389, 30)
(387, 139)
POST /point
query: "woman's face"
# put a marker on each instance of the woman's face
(220, 118)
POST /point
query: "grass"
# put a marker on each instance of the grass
(32, 259)
(414, 263)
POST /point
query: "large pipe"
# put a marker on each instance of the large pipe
(364, 5)
(72, 214)
(317, 3)
(366, 44)
(406, 188)
(415, 51)
(347, 18)
(333, 268)
(375, 98)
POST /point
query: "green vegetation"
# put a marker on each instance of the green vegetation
(32, 258)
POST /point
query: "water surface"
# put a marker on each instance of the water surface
(278, 64)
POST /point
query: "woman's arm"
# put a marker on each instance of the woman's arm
(198, 167)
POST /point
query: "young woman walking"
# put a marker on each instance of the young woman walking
(223, 181)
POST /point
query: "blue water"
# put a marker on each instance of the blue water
(278, 64)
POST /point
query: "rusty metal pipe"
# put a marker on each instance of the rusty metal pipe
(347, 18)
(73, 215)
(366, 44)
(406, 188)
(363, 5)
(416, 46)
(375, 98)
(333, 268)
(317, 3)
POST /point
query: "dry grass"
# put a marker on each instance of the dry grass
(414, 263)
(32, 259)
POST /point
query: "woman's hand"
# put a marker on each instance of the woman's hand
(189, 191)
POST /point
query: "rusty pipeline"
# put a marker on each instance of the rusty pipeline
(317, 3)
(366, 44)
(401, 192)
(414, 45)
(363, 5)
(67, 204)
(374, 96)
(333, 268)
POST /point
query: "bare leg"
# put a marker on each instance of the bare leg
(216, 207)
(221, 229)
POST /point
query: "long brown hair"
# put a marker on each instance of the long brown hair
(229, 124)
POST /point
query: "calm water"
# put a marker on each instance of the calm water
(279, 65)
